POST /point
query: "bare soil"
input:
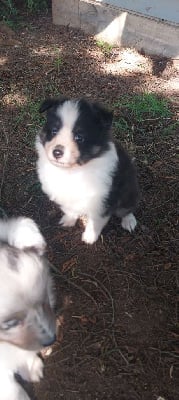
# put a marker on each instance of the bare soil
(117, 299)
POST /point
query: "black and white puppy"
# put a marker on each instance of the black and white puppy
(27, 322)
(82, 169)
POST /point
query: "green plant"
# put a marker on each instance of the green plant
(58, 62)
(33, 111)
(145, 105)
(35, 5)
(50, 89)
(141, 114)
(122, 124)
(7, 10)
(10, 9)
(32, 121)
(104, 46)
(171, 129)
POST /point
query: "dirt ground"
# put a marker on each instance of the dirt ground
(117, 299)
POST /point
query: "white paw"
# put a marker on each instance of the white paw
(129, 222)
(36, 370)
(67, 221)
(23, 232)
(89, 236)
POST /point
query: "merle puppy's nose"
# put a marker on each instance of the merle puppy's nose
(50, 341)
(58, 152)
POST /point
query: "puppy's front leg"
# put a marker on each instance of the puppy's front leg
(10, 389)
(68, 220)
(93, 229)
(32, 369)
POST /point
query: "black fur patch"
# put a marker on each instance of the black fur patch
(93, 124)
(53, 121)
(124, 194)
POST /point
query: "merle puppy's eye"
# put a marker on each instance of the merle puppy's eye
(79, 138)
(12, 323)
(54, 131)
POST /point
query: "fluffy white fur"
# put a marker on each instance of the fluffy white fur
(129, 222)
(16, 360)
(82, 189)
(21, 232)
(24, 280)
(68, 114)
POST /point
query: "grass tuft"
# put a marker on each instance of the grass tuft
(141, 113)
(32, 119)
(105, 47)
(146, 105)
(58, 61)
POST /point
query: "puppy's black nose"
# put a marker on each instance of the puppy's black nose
(58, 152)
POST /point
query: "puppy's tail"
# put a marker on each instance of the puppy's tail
(22, 233)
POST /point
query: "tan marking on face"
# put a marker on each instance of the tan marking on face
(63, 140)
(68, 114)
(23, 337)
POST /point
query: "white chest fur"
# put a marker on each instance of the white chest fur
(79, 189)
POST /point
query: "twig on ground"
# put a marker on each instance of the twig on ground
(5, 161)
(71, 283)
(104, 291)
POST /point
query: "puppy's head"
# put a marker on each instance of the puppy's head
(75, 131)
(26, 298)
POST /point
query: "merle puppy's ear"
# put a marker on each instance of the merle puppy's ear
(51, 102)
(104, 116)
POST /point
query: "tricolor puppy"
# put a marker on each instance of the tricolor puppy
(82, 169)
(27, 322)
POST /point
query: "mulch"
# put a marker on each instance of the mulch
(116, 301)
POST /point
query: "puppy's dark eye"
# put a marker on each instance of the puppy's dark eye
(12, 323)
(54, 131)
(79, 138)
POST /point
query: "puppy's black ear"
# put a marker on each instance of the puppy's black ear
(48, 103)
(104, 116)
(51, 102)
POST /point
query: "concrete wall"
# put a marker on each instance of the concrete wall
(164, 9)
(118, 26)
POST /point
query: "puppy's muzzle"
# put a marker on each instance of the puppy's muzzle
(45, 325)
